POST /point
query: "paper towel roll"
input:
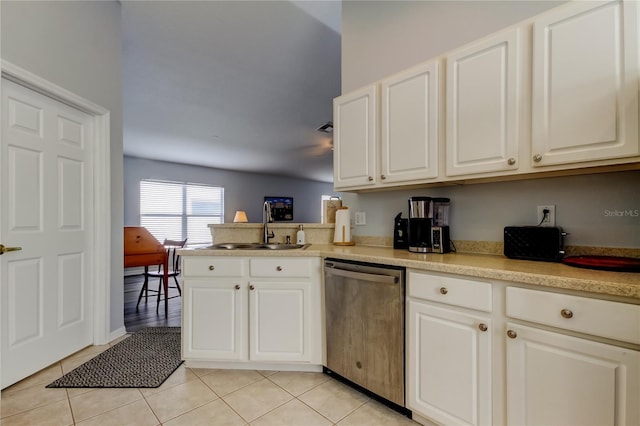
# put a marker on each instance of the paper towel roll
(342, 233)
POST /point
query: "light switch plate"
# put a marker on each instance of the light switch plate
(361, 218)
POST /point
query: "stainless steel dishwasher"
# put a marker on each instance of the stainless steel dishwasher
(364, 305)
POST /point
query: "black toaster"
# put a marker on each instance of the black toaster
(534, 243)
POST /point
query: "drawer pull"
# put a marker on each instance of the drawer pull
(251, 287)
(443, 290)
(483, 327)
(278, 268)
(211, 267)
(566, 313)
(512, 334)
(237, 286)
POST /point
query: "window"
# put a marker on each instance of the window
(176, 210)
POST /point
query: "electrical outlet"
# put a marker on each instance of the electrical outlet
(548, 220)
(361, 218)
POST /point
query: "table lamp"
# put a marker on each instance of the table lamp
(240, 217)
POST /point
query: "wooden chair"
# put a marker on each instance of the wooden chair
(174, 270)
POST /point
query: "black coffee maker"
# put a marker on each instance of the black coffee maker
(429, 225)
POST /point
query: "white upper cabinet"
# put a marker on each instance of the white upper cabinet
(483, 106)
(409, 125)
(355, 117)
(585, 83)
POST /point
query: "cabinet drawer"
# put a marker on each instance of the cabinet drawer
(280, 267)
(204, 266)
(613, 320)
(455, 291)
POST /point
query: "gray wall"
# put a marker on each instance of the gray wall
(77, 45)
(381, 38)
(242, 191)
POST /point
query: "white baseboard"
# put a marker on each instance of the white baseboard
(117, 334)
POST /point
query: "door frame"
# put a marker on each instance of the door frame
(101, 249)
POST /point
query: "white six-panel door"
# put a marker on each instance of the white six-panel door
(47, 209)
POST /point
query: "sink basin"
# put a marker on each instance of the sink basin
(255, 246)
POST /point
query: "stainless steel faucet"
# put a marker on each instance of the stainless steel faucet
(266, 218)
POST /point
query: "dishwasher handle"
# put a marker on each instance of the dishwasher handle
(378, 278)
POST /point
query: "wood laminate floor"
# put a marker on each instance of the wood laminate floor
(146, 315)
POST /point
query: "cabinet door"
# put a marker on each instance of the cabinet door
(355, 138)
(279, 321)
(214, 319)
(449, 377)
(409, 125)
(562, 380)
(483, 106)
(585, 83)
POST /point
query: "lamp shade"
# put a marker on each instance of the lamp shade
(240, 217)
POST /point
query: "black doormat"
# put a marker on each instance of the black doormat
(144, 360)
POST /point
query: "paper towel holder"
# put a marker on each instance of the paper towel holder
(342, 242)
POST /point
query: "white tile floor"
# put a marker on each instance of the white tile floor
(194, 397)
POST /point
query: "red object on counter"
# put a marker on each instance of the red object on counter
(604, 263)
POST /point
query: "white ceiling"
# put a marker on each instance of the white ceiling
(239, 85)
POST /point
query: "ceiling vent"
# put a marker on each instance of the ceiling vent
(326, 127)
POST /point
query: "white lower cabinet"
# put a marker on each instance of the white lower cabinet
(268, 312)
(449, 378)
(557, 379)
(554, 377)
(450, 356)
(483, 353)
(214, 317)
(280, 326)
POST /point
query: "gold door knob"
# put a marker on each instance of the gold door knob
(4, 249)
(443, 290)
(512, 334)
(211, 267)
(537, 158)
(278, 268)
(483, 327)
(566, 313)
(237, 286)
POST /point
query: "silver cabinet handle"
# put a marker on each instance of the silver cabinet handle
(512, 334)
(211, 267)
(537, 158)
(237, 286)
(443, 290)
(483, 327)
(511, 161)
(566, 313)
(278, 268)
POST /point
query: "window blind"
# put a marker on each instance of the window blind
(177, 210)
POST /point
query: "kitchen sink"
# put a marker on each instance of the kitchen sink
(255, 246)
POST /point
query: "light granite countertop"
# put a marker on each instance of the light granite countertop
(492, 267)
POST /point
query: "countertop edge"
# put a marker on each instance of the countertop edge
(483, 266)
